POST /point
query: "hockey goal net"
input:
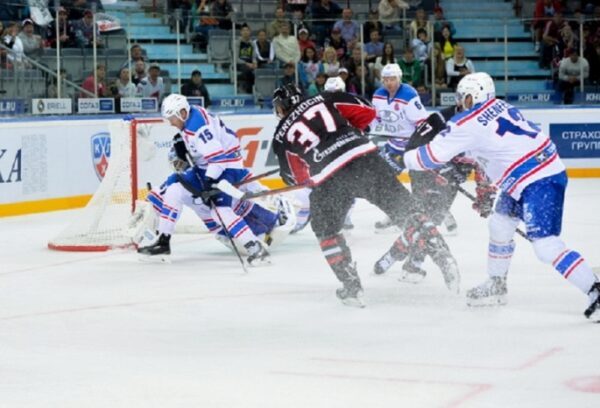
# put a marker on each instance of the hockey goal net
(138, 156)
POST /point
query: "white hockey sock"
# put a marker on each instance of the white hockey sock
(501, 246)
(499, 257)
(570, 264)
(171, 209)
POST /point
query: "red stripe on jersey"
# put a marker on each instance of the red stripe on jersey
(431, 156)
(359, 115)
(523, 159)
(204, 115)
(532, 172)
(208, 156)
(477, 112)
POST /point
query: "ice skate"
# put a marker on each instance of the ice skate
(438, 250)
(258, 254)
(351, 294)
(492, 292)
(158, 249)
(412, 273)
(593, 310)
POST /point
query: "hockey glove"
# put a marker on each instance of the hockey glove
(484, 203)
(426, 131)
(210, 192)
(180, 148)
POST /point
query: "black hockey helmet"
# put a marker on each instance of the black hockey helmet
(286, 97)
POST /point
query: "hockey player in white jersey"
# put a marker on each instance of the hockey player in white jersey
(524, 164)
(270, 222)
(399, 112)
(215, 150)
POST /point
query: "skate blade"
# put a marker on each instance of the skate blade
(166, 259)
(451, 233)
(389, 230)
(357, 302)
(490, 301)
(259, 263)
(379, 272)
(412, 278)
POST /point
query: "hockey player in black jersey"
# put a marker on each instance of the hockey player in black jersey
(319, 143)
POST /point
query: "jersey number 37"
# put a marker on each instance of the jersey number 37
(301, 133)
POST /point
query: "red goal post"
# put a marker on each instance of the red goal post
(138, 155)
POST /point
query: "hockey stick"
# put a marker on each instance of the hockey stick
(230, 189)
(214, 207)
(257, 177)
(374, 135)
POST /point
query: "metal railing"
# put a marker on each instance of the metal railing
(189, 27)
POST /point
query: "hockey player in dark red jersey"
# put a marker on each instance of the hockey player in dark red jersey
(319, 143)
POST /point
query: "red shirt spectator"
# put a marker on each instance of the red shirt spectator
(303, 40)
(88, 83)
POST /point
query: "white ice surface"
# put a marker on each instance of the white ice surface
(103, 330)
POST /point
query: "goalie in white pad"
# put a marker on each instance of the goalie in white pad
(269, 224)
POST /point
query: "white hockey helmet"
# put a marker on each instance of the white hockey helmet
(487, 83)
(479, 87)
(335, 84)
(391, 70)
(173, 104)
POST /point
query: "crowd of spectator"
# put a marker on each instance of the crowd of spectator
(559, 34)
(317, 39)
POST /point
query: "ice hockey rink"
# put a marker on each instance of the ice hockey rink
(104, 330)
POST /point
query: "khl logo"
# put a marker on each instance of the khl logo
(101, 153)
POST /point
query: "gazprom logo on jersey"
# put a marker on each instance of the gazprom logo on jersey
(576, 139)
(96, 105)
(100, 153)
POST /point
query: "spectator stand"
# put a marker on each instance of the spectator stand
(493, 39)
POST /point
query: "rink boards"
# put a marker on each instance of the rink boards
(57, 163)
